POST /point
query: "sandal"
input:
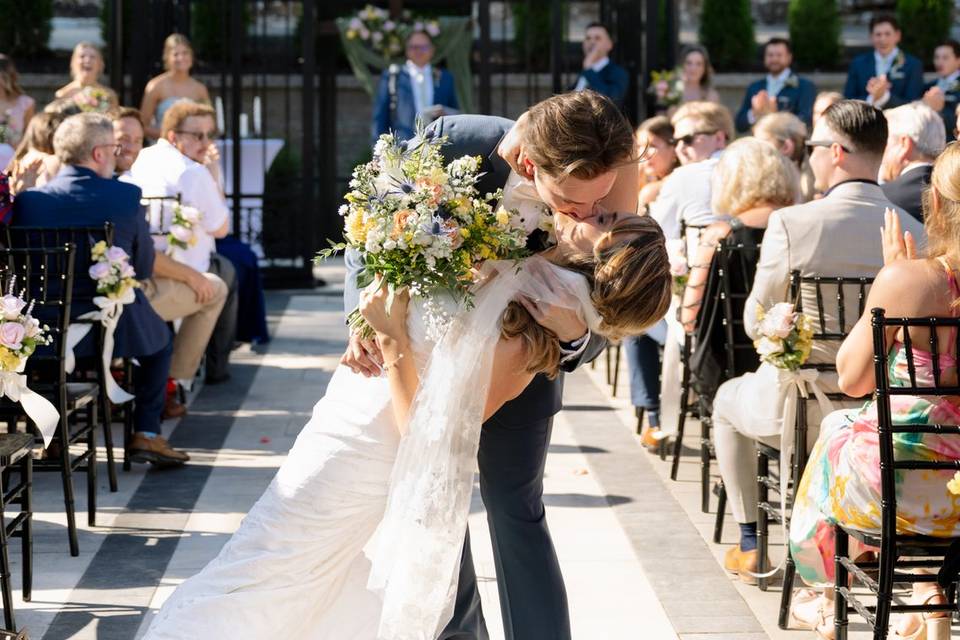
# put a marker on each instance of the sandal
(934, 625)
(822, 622)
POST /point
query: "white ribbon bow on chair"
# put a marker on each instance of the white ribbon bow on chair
(802, 379)
(14, 386)
(109, 315)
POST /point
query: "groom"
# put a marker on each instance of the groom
(579, 151)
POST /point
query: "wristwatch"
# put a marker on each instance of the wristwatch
(736, 224)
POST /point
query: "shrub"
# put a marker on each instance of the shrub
(925, 24)
(814, 32)
(25, 26)
(282, 203)
(726, 30)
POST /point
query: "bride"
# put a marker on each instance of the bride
(360, 533)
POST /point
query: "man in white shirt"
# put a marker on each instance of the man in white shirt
(701, 131)
(184, 161)
(176, 291)
(915, 137)
(600, 73)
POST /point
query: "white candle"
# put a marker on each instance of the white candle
(219, 104)
(256, 116)
(244, 126)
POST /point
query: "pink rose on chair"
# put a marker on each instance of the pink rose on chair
(181, 233)
(11, 335)
(778, 321)
(11, 306)
(99, 270)
(116, 254)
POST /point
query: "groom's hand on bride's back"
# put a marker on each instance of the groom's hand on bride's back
(511, 148)
(363, 357)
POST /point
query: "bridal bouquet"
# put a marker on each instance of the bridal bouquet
(423, 225)
(666, 87)
(20, 332)
(785, 336)
(113, 273)
(182, 235)
(92, 99)
(679, 269)
(384, 35)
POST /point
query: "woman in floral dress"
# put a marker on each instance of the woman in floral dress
(841, 482)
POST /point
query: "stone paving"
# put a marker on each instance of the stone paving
(634, 547)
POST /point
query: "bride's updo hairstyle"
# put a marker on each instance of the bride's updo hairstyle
(630, 281)
(941, 205)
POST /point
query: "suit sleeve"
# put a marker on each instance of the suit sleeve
(743, 121)
(851, 90)
(143, 251)
(773, 273)
(914, 88)
(595, 346)
(381, 109)
(805, 100)
(615, 88)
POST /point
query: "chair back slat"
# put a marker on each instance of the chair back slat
(734, 262)
(935, 352)
(911, 367)
(156, 208)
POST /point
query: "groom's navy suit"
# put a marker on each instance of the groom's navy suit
(513, 451)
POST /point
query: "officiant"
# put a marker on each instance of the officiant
(416, 90)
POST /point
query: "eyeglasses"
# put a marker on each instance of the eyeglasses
(199, 136)
(117, 147)
(811, 144)
(689, 138)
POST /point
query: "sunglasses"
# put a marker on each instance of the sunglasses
(199, 136)
(690, 138)
(812, 144)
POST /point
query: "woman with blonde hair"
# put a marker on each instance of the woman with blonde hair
(35, 162)
(86, 66)
(841, 482)
(788, 133)
(16, 107)
(172, 85)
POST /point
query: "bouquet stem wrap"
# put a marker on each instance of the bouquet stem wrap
(416, 557)
(13, 384)
(109, 315)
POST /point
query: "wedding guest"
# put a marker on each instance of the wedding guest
(416, 91)
(943, 94)
(599, 72)
(181, 162)
(84, 193)
(86, 65)
(697, 75)
(35, 163)
(701, 130)
(823, 102)
(16, 107)
(176, 291)
(886, 77)
(656, 136)
(781, 91)
(788, 134)
(822, 237)
(846, 454)
(174, 84)
(915, 139)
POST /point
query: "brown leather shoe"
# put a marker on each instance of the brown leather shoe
(173, 409)
(742, 563)
(155, 450)
(649, 438)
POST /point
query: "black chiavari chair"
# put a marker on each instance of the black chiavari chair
(159, 212)
(898, 551)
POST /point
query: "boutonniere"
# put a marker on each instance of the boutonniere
(896, 70)
(792, 81)
(954, 87)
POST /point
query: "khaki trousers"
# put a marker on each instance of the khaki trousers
(173, 300)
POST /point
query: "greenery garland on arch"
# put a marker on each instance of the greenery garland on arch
(453, 45)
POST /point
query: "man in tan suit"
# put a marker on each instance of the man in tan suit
(837, 235)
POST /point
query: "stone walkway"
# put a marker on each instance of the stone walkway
(634, 546)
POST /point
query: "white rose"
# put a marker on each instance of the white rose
(11, 306)
(778, 321)
(769, 346)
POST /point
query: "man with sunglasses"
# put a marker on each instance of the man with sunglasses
(701, 130)
(84, 193)
(185, 161)
(417, 90)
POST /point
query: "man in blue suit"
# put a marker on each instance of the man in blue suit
(84, 194)
(943, 94)
(781, 90)
(415, 90)
(600, 73)
(886, 77)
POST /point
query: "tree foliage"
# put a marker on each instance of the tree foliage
(25, 26)
(726, 30)
(925, 24)
(814, 32)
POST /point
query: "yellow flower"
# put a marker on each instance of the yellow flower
(98, 250)
(465, 233)
(954, 485)
(9, 361)
(356, 227)
(351, 34)
(503, 217)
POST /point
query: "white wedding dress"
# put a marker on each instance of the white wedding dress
(296, 568)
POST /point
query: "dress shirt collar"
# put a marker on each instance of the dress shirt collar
(600, 64)
(414, 70)
(778, 81)
(851, 181)
(915, 165)
(949, 80)
(885, 62)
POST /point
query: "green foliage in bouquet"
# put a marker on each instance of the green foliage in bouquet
(25, 26)
(726, 30)
(814, 32)
(925, 24)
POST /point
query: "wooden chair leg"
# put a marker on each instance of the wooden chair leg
(681, 422)
(127, 416)
(616, 371)
(786, 596)
(92, 467)
(763, 521)
(841, 550)
(107, 421)
(5, 578)
(66, 475)
(721, 513)
(26, 529)
(606, 357)
(704, 464)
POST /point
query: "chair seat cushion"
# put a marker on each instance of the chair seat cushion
(14, 446)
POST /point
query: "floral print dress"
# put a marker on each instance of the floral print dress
(841, 482)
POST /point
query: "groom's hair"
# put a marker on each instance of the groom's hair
(581, 134)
